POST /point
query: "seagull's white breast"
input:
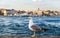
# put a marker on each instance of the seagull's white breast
(30, 24)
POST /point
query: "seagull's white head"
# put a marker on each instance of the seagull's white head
(30, 21)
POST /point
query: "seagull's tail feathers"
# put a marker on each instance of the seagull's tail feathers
(45, 29)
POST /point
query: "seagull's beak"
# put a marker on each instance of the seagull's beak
(29, 18)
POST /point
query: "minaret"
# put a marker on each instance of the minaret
(39, 12)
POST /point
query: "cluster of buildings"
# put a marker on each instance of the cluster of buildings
(7, 12)
(38, 12)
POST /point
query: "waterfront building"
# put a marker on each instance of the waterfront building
(46, 12)
(56, 12)
(3, 11)
(11, 12)
(39, 13)
(34, 12)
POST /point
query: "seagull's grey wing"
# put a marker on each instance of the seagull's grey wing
(38, 28)
(35, 28)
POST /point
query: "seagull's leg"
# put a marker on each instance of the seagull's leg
(34, 35)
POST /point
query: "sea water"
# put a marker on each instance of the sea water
(18, 25)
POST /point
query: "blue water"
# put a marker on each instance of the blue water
(18, 25)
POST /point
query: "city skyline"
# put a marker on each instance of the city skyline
(30, 4)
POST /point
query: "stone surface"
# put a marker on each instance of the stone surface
(29, 37)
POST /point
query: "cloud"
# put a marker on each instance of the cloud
(36, 0)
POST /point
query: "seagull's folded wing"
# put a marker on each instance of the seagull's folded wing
(35, 28)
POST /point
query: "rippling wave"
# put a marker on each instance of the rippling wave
(17, 25)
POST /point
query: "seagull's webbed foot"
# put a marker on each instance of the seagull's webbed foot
(34, 36)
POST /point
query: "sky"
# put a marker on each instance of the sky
(30, 4)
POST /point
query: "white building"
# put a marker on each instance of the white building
(11, 12)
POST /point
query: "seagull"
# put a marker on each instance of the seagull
(35, 28)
